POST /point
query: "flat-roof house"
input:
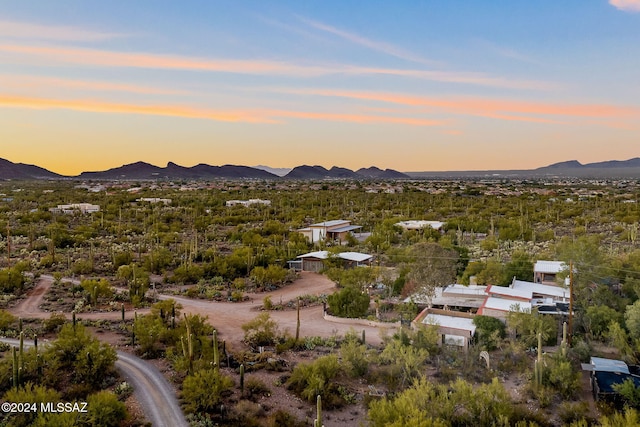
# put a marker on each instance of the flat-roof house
(502, 300)
(546, 272)
(336, 229)
(314, 261)
(76, 207)
(420, 225)
(454, 296)
(454, 328)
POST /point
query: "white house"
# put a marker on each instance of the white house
(547, 271)
(76, 207)
(249, 202)
(336, 229)
(419, 225)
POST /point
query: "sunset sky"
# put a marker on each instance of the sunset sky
(409, 85)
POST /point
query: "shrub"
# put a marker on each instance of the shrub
(54, 322)
(202, 391)
(261, 331)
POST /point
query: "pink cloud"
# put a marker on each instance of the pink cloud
(626, 5)
(492, 108)
(103, 58)
(24, 30)
(248, 116)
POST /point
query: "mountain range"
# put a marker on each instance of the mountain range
(145, 171)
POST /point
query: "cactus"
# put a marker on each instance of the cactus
(122, 311)
(20, 324)
(73, 319)
(318, 421)
(564, 346)
(21, 350)
(216, 352)
(538, 367)
(35, 342)
(363, 337)
(188, 352)
(14, 356)
(242, 380)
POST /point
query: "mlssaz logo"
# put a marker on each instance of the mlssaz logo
(51, 407)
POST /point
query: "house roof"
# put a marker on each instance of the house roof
(609, 365)
(452, 296)
(330, 223)
(355, 256)
(345, 228)
(502, 291)
(538, 288)
(553, 267)
(349, 256)
(452, 322)
(503, 304)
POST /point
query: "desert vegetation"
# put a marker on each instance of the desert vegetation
(143, 266)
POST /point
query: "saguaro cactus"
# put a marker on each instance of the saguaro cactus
(216, 352)
(242, 380)
(318, 421)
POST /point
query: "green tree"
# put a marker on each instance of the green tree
(489, 331)
(349, 302)
(632, 319)
(431, 265)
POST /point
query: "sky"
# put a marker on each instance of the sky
(428, 85)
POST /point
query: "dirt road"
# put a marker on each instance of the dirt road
(228, 317)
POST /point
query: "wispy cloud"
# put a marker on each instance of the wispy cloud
(31, 31)
(104, 58)
(248, 116)
(378, 46)
(509, 53)
(120, 108)
(491, 108)
(626, 5)
(40, 82)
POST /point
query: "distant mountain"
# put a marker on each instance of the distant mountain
(145, 171)
(319, 172)
(10, 170)
(137, 170)
(374, 172)
(561, 165)
(275, 171)
(308, 172)
(631, 163)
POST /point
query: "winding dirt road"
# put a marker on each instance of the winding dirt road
(154, 393)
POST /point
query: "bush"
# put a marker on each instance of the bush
(261, 331)
(311, 379)
(349, 302)
(54, 322)
(202, 391)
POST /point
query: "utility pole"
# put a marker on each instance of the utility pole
(570, 302)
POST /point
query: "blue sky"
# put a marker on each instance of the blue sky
(420, 85)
